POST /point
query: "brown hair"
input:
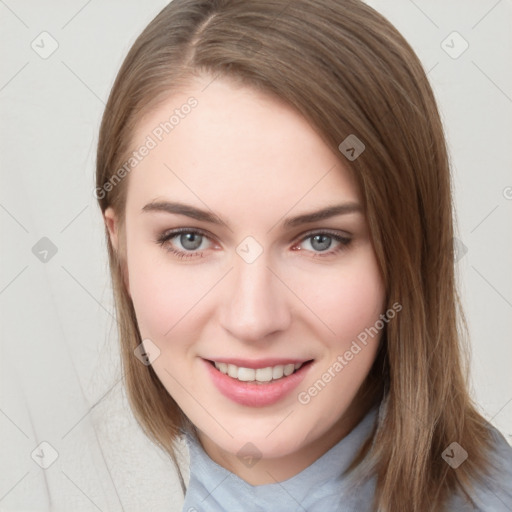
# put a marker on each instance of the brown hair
(347, 70)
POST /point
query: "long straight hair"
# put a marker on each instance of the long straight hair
(348, 71)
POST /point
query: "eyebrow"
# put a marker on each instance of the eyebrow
(208, 216)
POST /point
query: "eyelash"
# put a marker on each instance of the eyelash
(165, 237)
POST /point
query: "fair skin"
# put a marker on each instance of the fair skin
(253, 162)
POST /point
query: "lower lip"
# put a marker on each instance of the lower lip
(252, 394)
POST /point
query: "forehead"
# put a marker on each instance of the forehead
(232, 147)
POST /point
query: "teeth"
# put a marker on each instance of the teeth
(277, 371)
(289, 369)
(233, 371)
(260, 375)
(246, 374)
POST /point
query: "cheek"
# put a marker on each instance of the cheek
(360, 303)
(351, 307)
(348, 299)
(162, 294)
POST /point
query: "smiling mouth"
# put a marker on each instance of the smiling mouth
(259, 375)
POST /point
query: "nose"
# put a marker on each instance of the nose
(257, 303)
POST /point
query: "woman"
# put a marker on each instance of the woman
(276, 192)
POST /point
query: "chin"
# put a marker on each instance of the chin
(267, 443)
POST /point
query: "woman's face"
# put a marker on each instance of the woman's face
(247, 246)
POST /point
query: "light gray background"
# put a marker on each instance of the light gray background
(60, 379)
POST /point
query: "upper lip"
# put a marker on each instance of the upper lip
(257, 363)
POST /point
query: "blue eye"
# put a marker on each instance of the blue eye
(190, 239)
(321, 241)
(191, 243)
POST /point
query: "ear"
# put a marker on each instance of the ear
(113, 227)
(112, 223)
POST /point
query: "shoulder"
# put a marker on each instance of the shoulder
(491, 493)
